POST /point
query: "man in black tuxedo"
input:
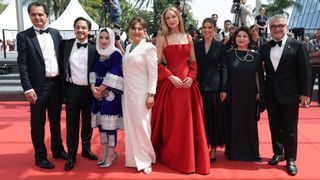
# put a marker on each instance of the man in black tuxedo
(287, 83)
(40, 74)
(78, 57)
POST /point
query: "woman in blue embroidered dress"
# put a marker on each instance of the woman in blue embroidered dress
(106, 81)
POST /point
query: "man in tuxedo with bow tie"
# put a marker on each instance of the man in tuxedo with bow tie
(40, 72)
(287, 83)
(78, 57)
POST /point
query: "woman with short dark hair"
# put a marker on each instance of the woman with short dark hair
(245, 81)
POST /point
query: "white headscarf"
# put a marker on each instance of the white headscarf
(111, 48)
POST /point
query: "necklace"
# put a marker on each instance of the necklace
(246, 58)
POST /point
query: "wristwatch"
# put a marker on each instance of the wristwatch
(150, 94)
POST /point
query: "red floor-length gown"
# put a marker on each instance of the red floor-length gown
(178, 132)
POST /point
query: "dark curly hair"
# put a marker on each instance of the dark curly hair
(247, 31)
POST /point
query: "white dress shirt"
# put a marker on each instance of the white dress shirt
(48, 53)
(276, 53)
(79, 65)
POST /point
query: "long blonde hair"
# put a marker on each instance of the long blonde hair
(165, 27)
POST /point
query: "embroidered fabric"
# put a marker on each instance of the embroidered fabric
(110, 96)
(107, 122)
(92, 77)
(114, 81)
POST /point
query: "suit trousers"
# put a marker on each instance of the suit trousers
(283, 122)
(51, 100)
(78, 101)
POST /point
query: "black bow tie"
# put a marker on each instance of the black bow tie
(43, 31)
(274, 43)
(79, 45)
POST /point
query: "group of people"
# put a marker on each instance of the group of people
(176, 101)
(313, 47)
(8, 45)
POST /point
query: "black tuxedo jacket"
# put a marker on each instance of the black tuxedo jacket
(67, 48)
(212, 71)
(30, 59)
(292, 77)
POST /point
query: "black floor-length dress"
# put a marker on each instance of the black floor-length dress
(242, 132)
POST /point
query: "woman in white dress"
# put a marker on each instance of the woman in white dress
(140, 72)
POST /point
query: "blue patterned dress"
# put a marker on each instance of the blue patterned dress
(107, 112)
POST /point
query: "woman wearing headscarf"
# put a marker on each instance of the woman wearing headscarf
(106, 81)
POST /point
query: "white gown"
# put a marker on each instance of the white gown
(140, 72)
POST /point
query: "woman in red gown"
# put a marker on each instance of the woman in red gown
(178, 132)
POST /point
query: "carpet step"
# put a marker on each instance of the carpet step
(10, 76)
(11, 93)
(10, 82)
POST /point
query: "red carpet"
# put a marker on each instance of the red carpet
(17, 162)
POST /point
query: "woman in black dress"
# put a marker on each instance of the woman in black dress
(245, 78)
(212, 75)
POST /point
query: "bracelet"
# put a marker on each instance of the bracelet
(150, 94)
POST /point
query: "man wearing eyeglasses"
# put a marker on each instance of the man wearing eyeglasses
(287, 83)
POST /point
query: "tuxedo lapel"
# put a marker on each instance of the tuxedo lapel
(35, 41)
(91, 55)
(55, 41)
(286, 50)
(66, 55)
(268, 55)
(68, 49)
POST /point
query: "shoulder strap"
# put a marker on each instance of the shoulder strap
(188, 38)
(165, 37)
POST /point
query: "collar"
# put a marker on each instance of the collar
(284, 40)
(77, 41)
(38, 29)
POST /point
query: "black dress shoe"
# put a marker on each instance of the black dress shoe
(44, 164)
(275, 159)
(69, 165)
(60, 155)
(292, 168)
(89, 154)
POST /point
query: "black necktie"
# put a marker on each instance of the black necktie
(274, 43)
(79, 45)
(43, 31)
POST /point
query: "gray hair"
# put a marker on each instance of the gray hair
(277, 17)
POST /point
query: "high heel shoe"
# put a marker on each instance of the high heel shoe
(109, 164)
(213, 155)
(102, 161)
(147, 170)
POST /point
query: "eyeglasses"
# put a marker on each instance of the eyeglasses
(275, 26)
